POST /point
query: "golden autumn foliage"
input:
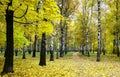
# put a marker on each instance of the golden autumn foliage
(28, 22)
(69, 66)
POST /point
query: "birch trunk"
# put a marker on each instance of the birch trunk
(99, 31)
(51, 49)
(87, 46)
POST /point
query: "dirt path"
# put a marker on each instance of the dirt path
(75, 56)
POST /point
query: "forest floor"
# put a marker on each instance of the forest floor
(73, 65)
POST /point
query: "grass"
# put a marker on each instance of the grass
(66, 67)
(104, 58)
(107, 67)
(29, 67)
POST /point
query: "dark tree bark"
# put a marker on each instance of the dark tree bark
(57, 54)
(35, 47)
(99, 32)
(43, 51)
(24, 56)
(51, 55)
(66, 50)
(82, 49)
(35, 42)
(62, 47)
(117, 29)
(24, 51)
(104, 51)
(114, 46)
(66, 43)
(2, 49)
(8, 64)
(16, 52)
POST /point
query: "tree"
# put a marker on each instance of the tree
(43, 51)
(36, 38)
(10, 10)
(52, 48)
(8, 66)
(67, 8)
(117, 29)
(35, 47)
(84, 26)
(99, 32)
(111, 24)
(50, 13)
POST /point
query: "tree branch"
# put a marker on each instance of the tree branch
(23, 14)
(58, 4)
(23, 22)
(1, 3)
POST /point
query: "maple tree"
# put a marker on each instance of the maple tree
(26, 9)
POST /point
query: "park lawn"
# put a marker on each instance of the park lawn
(66, 67)
(107, 67)
(29, 67)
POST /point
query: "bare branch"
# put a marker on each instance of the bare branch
(23, 14)
(1, 3)
(23, 22)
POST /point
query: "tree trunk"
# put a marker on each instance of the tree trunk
(2, 49)
(24, 51)
(99, 32)
(90, 47)
(82, 49)
(114, 47)
(35, 47)
(87, 46)
(51, 49)
(24, 57)
(93, 48)
(66, 28)
(58, 44)
(57, 52)
(62, 48)
(8, 64)
(30, 47)
(117, 30)
(43, 51)
(16, 52)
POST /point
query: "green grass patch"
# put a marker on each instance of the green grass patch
(107, 57)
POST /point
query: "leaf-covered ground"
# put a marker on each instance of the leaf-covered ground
(71, 66)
